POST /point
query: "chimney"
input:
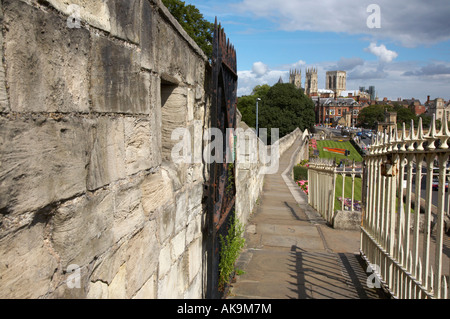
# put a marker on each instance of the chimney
(428, 99)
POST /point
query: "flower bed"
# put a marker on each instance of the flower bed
(348, 205)
(335, 150)
(303, 186)
(313, 143)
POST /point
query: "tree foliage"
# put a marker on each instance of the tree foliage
(371, 115)
(192, 21)
(282, 106)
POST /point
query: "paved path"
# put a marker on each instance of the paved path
(291, 253)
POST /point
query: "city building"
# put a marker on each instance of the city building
(336, 81)
(295, 77)
(390, 122)
(329, 111)
(370, 93)
(437, 107)
(311, 83)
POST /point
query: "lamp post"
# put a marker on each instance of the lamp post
(257, 100)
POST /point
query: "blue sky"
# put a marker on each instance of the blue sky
(407, 56)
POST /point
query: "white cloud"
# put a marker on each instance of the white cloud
(259, 69)
(247, 80)
(415, 23)
(297, 65)
(261, 73)
(391, 80)
(382, 52)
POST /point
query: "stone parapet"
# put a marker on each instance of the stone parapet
(90, 207)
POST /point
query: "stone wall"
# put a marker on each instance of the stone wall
(249, 183)
(91, 204)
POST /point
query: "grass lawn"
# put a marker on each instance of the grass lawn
(358, 191)
(354, 155)
(347, 190)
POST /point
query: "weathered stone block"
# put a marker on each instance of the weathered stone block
(165, 260)
(156, 192)
(148, 291)
(147, 37)
(47, 62)
(117, 85)
(168, 285)
(195, 196)
(173, 116)
(27, 264)
(128, 212)
(155, 117)
(181, 211)
(142, 258)
(97, 290)
(95, 13)
(178, 244)
(126, 19)
(183, 275)
(194, 228)
(136, 260)
(348, 220)
(195, 74)
(42, 161)
(4, 102)
(166, 221)
(140, 153)
(170, 170)
(118, 287)
(107, 162)
(195, 258)
(194, 290)
(171, 51)
(190, 104)
(92, 215)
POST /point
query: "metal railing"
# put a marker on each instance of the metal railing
(403, 169)
(322, 180)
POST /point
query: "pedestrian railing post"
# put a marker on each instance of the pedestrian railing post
(411, 261)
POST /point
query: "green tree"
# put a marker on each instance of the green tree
(426, 120)
(282, 106)
(247, 104)
(286, 107)
(261, 90)
(371, 115)
(192, 21)
(404, 115)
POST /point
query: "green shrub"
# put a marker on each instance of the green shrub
(300, 173)
(231, 247)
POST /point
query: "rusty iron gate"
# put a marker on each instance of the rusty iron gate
(221, 188)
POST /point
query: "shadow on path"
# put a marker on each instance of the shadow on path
(325, 275)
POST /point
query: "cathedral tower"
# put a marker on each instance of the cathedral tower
(295, 77)
(336, 81)
(311, 88)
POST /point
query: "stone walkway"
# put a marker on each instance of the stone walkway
(291, 253)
